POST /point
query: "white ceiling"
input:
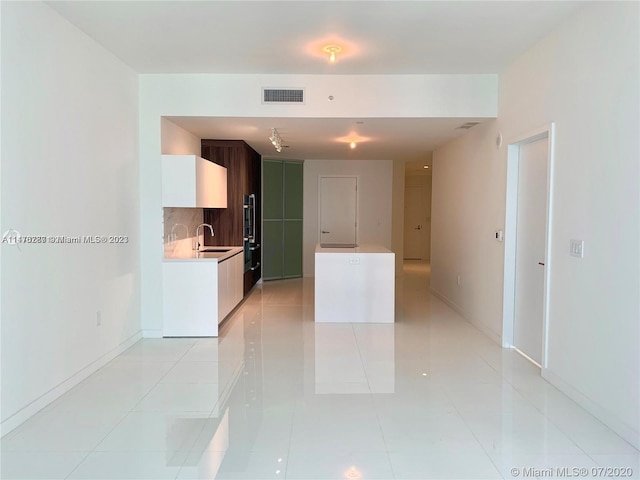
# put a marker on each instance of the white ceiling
(379, 37)
(410, 139)
(286, 37)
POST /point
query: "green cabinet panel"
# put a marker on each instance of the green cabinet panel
(272, 251)
(293, 190)
(273, 192)
(292, 260)
(282, 214)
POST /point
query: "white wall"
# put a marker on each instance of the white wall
(467, 206)
(374, 202)
(239, 95)
(177, 141)
(397, 214)
(69, 167)
(584, 77)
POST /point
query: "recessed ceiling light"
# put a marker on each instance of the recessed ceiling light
(353, 137)
(426, 166)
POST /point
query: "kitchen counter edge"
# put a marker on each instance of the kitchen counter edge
(363, 248)
(205, 256)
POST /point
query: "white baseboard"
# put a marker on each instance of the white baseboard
(152, 333)
(38, 404)
(627, 432)
(456, 308)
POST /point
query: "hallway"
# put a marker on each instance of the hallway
(276, 396)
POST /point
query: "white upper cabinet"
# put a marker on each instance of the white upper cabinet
(191, 181)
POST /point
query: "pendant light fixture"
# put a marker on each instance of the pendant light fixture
(332, 50)
(275, 139)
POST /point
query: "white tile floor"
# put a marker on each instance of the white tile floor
(276, 396)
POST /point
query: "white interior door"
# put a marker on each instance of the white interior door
(338, 209)
(415, 222)
(530, 248)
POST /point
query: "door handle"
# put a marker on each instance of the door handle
(540, 263)
(252, 201)
(419, 227)
(324, 231)
(253, 269)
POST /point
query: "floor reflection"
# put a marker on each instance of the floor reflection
(277, 396)
(354, 358)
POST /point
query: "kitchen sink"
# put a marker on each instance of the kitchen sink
(215, 249)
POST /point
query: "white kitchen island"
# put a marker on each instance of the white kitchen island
(354, 284)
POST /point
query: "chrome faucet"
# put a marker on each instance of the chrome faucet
(197, 243)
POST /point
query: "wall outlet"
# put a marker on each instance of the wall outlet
(98, 318)
(354, 261)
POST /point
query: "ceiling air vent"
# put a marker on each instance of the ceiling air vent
(282, 95)
(467, 125)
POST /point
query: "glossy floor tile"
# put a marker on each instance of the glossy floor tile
(276, 396)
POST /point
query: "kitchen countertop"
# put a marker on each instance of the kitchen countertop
(204, 256)
(364, 248)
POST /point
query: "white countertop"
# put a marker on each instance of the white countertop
(204, 256)
(363, 248)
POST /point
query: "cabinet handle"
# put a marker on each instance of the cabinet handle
(540, 263)
(324, 231)
(252, 201)
(255, 247)
(253, 269)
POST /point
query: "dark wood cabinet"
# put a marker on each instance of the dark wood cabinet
(244, 169)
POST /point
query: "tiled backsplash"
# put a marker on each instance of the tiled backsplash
(180, 229)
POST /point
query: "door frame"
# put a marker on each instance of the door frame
(357, 178)
(404, 225)
(510, 235)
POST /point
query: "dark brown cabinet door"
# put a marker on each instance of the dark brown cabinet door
(254, 184)
(244, 169)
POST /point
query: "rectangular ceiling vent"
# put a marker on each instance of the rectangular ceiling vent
(467, 125)
(283, 95)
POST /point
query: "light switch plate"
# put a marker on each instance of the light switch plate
(576, 248)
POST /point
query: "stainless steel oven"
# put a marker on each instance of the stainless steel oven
(249, 235)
